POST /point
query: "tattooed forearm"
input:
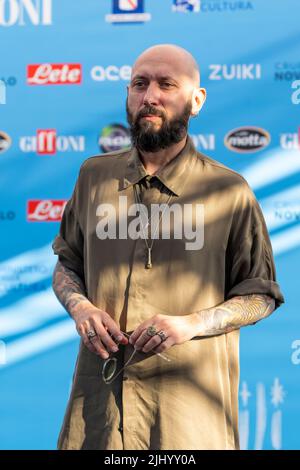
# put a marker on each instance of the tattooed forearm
(234, 313)
(68, 288)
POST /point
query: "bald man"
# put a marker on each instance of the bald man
(163, 255)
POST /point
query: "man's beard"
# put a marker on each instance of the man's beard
(145, 137)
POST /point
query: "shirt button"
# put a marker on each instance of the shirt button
(125, 377)
(120, 428)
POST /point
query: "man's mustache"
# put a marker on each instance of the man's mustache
(150, 111)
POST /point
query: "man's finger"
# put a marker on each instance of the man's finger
(136, 334)
(89, 345)
(94, 341)
(153, 342)
(98, 345)
(164, 345)
(142, 340)
(108, 342)
(85, 339)
(105, 337)
(115, 331)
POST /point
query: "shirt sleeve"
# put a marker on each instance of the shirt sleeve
(68, 245)
(250, 267)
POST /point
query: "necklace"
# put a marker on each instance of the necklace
(149, 248)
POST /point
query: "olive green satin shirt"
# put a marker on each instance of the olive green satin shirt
(190, 402)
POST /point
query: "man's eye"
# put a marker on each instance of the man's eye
(139, 84)
(166, 84)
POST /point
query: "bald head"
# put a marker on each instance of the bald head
(163, 93)
(180, 60)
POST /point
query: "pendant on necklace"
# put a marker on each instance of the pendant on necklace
(149, 261)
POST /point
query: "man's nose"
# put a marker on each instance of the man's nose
(152, 95)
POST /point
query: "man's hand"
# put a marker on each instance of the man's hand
(90, 318)
(70, 291)
(230, 315)
(177, 329)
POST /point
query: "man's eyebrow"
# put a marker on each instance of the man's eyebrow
(162, 77)
(138, 77)
(168, 77)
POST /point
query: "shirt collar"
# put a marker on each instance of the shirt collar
(173, 175)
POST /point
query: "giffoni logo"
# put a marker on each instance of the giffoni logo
(22, 12)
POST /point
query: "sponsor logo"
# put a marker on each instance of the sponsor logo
(128, 11)
(114, 137)
(5, 142)
(212, 6)
(23, 278)
(4, 83)
(111, 73)
(46, 210)
(7, 216)
(247, 139)
(287, 71)
(47, 142)
(184, 6)
(2, 92)
(235, 72)
(204, 141)
(266, 423)
(9, 81)
(286, 211)
(22, 12)
(54, 74)
(290, 140)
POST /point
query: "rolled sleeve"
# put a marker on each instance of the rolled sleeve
(250, 261)
(68, 244)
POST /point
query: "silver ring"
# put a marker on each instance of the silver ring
(162, 335)
(91, 334)
(151, 330)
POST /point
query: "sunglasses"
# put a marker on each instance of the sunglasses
(109, 369)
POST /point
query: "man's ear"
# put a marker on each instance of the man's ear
(198, 99)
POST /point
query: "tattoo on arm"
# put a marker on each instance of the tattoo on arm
(68, 287)
(235, 313)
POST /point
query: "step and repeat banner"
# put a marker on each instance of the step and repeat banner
(63, 74)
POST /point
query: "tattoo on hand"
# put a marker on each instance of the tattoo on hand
(68, 287)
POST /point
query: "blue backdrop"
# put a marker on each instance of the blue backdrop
(64, 70)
